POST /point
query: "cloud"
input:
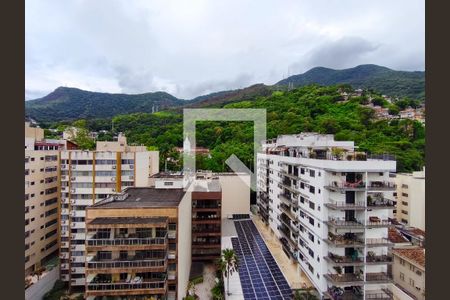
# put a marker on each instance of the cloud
(197, 47)
(342, 53)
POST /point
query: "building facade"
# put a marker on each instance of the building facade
(411, 199)
(41, 198)
(133, 245)
(327, 204)
(86, 178)
(409, 271)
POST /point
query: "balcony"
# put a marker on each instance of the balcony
(344, 240)
(287, 211)
(345, 279)
(376, 278)
(337, 293)
(288, 200)
(108, 266)
(346, 186)
(130, 288)
(97, 242)
(381, 186)
(375, 222)
(340, 205)
(383, 294)
(340, 260)
(372, 259)
(380, 203)
(344, 224)
(378, 242)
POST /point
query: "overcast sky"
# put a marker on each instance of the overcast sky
(190, 48)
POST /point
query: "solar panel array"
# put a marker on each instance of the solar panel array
(260, 276)
(241, 216)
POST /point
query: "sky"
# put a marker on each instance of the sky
(191, 48)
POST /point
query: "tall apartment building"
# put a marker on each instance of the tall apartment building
(41, 198)
(88, 177)
(411, 199)
(326, 203)
(136, 244)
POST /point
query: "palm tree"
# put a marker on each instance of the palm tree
(228, 264)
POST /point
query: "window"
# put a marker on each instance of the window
(404, 212)
(311, 221)
(412, 268)
(311, 237)
(404, 194)
(411, 282)
(311, 205)
(302, 170)
(302, 185)
(312, 190)
(312, 173)
(402, 261)
(404, 186)
(168, 183)
(402, 276)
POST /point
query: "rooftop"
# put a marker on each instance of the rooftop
(167, 175)
(416, 255)
(396, 237)
(143, 197)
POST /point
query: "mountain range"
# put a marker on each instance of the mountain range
(67, 104)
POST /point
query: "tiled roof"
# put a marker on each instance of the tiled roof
(416, 255)
(395, 236)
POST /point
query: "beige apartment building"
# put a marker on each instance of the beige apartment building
(41, 198)
(88, 177)
(411, 199)
(409, 271)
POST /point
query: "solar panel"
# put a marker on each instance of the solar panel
(260, 276)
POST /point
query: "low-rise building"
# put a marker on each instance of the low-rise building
(136, 245)
(409, 271)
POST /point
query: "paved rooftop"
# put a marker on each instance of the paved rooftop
(143, 197)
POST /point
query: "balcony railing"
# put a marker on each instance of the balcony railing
(339, 223)
(383, 294)
(341, 241)
(122, 285)
(289, 200)
(334, 185)
(380, 204)
(378, 242)
(337, 293)
(340, 205)
(377, 222)
(381, 185)
(127, 241)
(343, 260)
(378, 277)
(345, 278)
(375, 259)
(132, 263)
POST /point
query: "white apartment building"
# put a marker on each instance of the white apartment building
(411, 199)
(88, 177)
(326, 203)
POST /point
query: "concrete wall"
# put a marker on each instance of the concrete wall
(142, 169)
(184, 244)
(45, 284)
(419, 280)
(235, 194)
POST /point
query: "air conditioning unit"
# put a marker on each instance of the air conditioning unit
(114, 167)
(72, 178)
(113, 190)
(63, 177)
(131, 177)
(131, 167)
(73, 166)
(113, 178)
(73, 190)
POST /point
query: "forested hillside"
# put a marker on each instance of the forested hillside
(310, 108)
